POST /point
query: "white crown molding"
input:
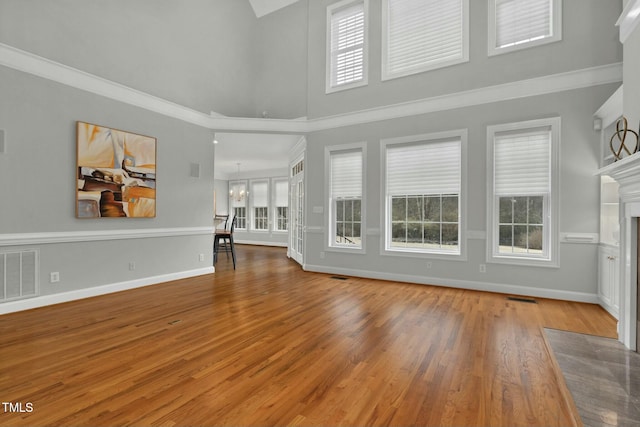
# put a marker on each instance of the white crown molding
(571, 80)
(21, 239)
(33, 64)
(629, 19)
(45, 300)
(42, 67)
(611, 110)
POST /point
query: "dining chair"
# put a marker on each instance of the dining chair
(224, 237)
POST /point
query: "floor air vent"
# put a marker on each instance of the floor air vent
(18, 275)
(338, 278)
(523, 299)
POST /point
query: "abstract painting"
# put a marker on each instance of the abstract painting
(116, 173)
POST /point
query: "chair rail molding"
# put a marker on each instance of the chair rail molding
(20, 239)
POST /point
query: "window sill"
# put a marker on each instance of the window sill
(442, 255)
(347, 86)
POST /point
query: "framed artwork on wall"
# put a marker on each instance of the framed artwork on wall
(116, 173)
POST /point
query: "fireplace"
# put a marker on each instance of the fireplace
(627, 173)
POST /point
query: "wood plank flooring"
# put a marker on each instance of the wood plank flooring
(270, 344)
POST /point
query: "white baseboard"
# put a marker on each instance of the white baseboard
(259, 243)
(45, 300)
(461, 284)
(610, 309)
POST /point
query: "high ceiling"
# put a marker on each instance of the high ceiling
(264, 7)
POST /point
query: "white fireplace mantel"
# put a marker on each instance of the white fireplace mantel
(627, 173)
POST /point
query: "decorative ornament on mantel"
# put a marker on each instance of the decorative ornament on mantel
(621, 133)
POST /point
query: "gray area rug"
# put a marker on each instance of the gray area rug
(602, 376)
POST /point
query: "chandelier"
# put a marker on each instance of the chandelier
(240, 193)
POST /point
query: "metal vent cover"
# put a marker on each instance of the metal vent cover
(18, 275)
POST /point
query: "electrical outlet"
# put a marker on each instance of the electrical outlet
(132, 266)
(322, 255)
(54, 277)
(483, 268)
(429, 264)
(201, 257)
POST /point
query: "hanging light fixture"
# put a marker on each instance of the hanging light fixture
(239, 195)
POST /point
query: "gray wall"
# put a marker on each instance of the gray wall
(589, 39)
(631, 80)
(197, 53)
(38, 170)
(578, 195)
(281, 61)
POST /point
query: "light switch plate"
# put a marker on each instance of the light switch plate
(1, 140)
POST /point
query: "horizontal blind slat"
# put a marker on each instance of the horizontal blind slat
(522, 20)
(522, 163)
(281, 189)
(427, 168)
(346, 174)
(423, 32)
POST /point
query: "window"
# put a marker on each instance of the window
(423, 200)
(346, 45)
(260, 205)
(421, 35)
(518, 24)
(345, 173)
(523, 206)
(238, 196)
(281, 204)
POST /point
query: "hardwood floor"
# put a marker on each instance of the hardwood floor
(270, 344)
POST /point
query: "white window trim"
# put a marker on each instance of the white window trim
(465, 48)
(553, 257)
(328, 245)
(273, 206)
(384, 208)
(365, 59)
(556, 30)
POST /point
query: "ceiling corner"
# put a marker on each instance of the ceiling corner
(265, 7)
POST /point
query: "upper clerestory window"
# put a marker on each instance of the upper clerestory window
(520, 24)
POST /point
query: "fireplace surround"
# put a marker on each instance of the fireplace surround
(627, 173)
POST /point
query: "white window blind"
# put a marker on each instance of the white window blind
(522, 163)
(521, 21)
(423, 34)
(346, 174)
(281, 189)
(427, 168)
(259, 194)
(347, 44)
